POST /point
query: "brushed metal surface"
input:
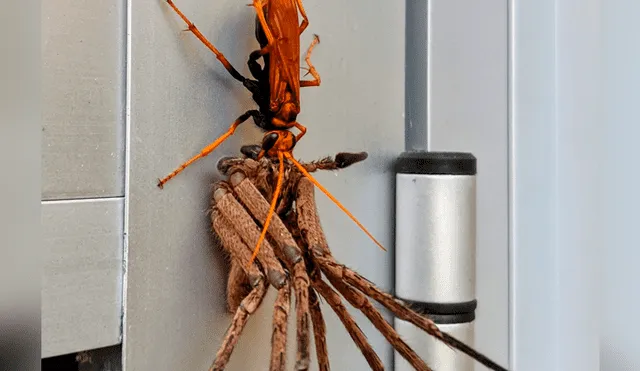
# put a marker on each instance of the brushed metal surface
(436, 238)
(467, 110)
(83, 99)
(437, 355)
(82, 276)
(182, 99)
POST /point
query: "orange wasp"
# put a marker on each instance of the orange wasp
(276, 90)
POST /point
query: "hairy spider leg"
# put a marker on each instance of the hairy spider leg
(192, 27)
(272, 207)
(335, 201)
(208, 149)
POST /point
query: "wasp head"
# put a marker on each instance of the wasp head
(277, 141)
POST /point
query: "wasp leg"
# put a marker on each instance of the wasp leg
(263, 21)
(271, 40)
(305, 20)
(192, 27)
(254, 67)
(311, 180)
(256, 70)
(303, 131)
(312, 69)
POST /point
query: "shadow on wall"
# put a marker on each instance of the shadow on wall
(615, 360)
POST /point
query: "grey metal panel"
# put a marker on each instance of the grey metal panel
(82, 278)
(83, 99)
(182, 99)
(579, 238)
(534, 223)
(619, 273)
(467, 111)
(558, 227)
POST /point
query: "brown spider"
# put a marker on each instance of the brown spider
(296, 254)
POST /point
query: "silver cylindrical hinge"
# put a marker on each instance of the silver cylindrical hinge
(437, 355)
(435, 251)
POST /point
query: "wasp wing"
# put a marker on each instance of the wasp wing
(284, 69)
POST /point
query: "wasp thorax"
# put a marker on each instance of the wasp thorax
(288, 113)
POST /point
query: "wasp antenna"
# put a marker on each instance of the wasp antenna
(335, 201)
(272, 209)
